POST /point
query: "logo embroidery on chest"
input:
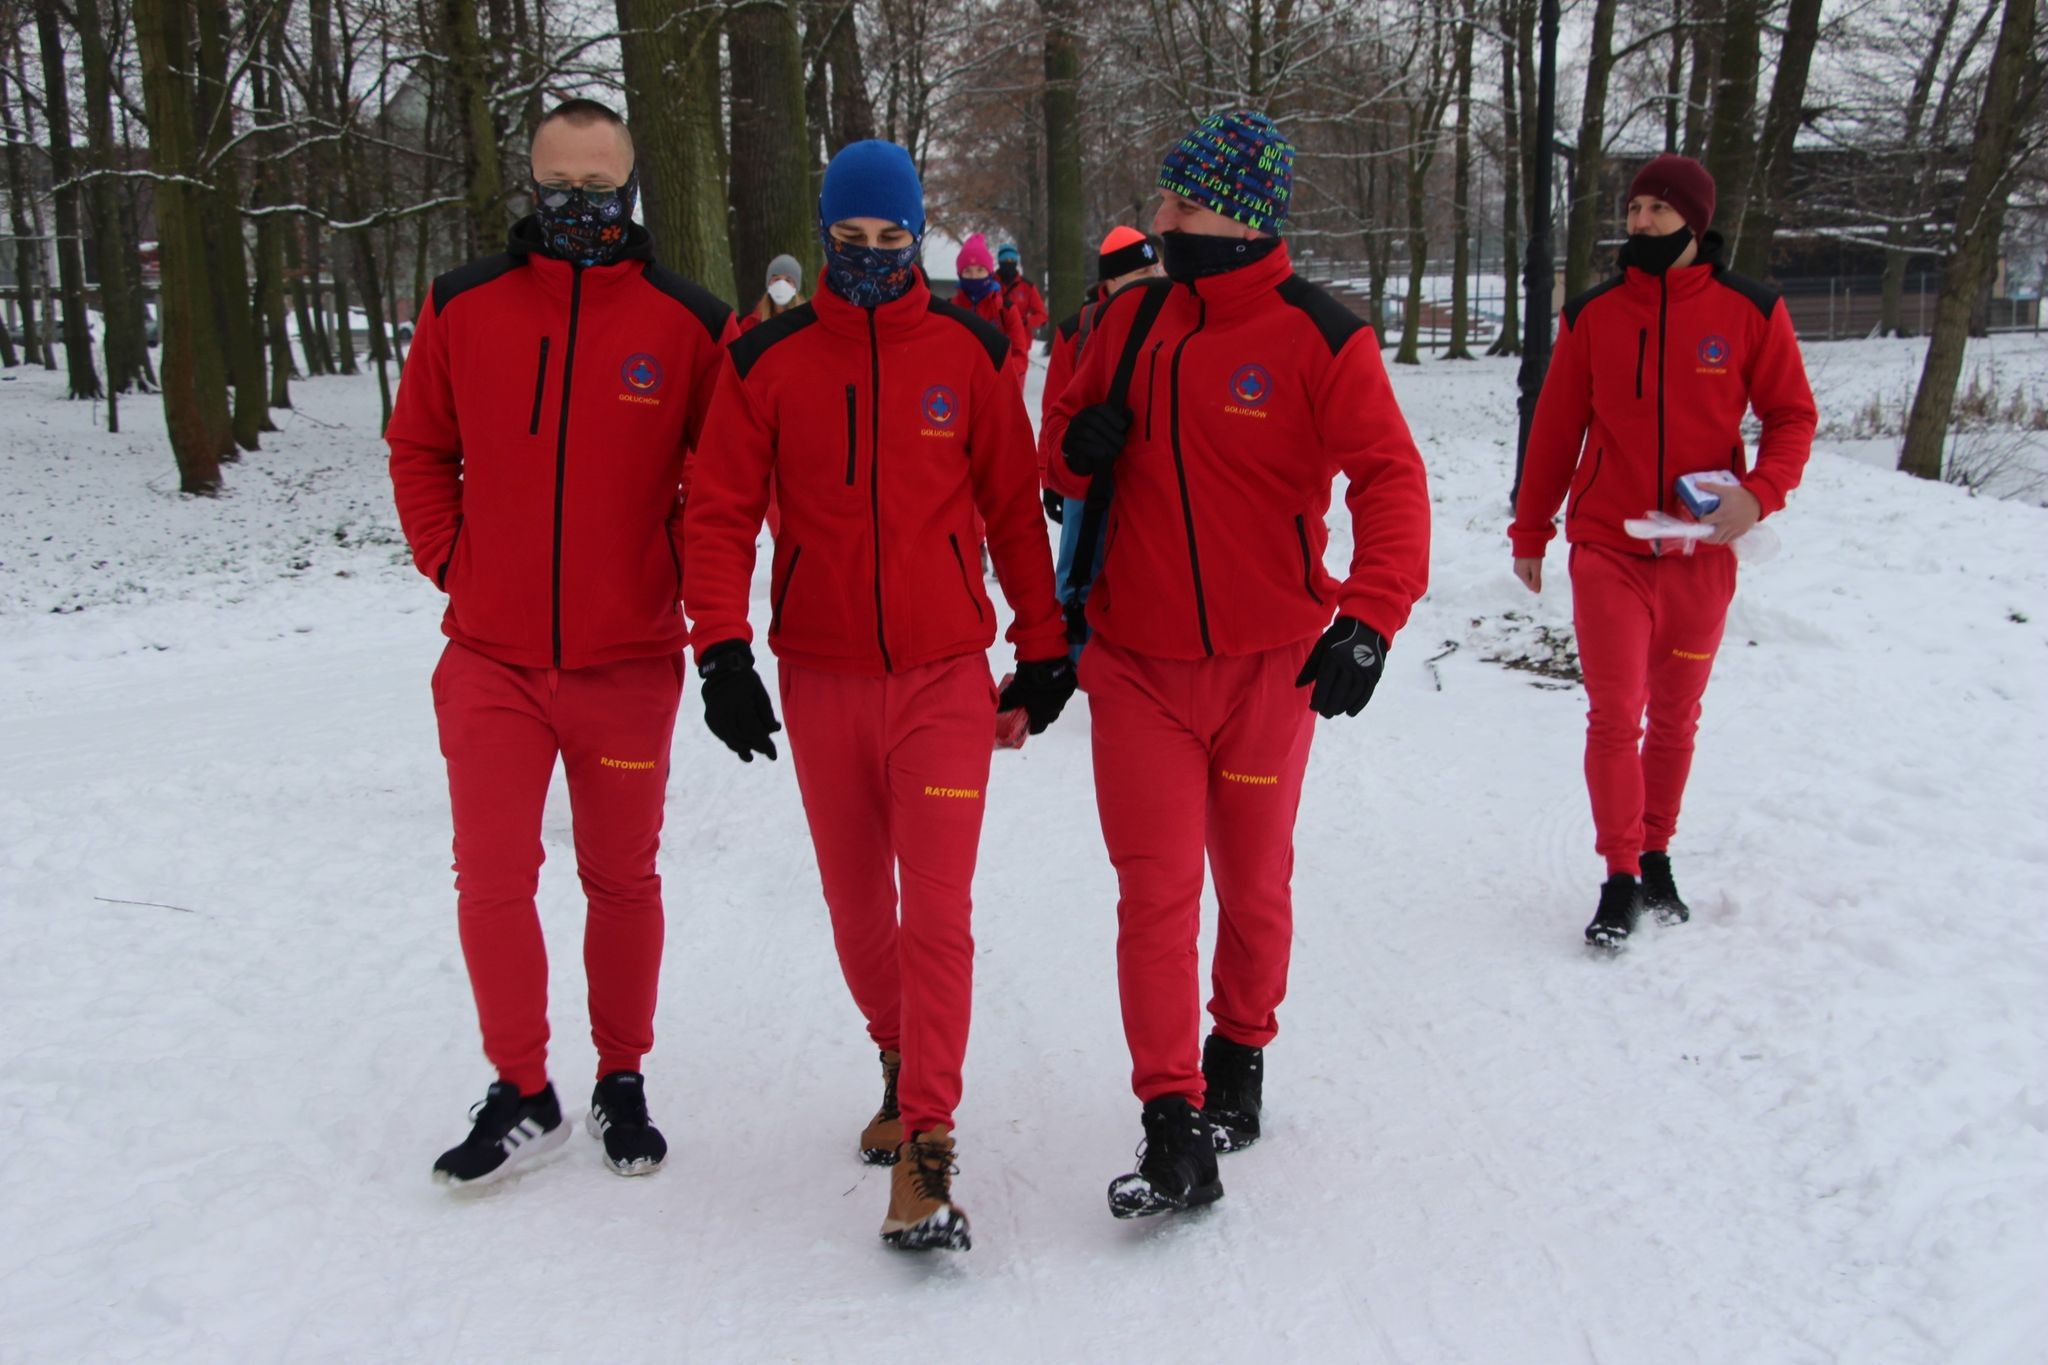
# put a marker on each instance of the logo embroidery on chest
(641, 375)
(1250, 387)
(1713, 353)
(941, 410)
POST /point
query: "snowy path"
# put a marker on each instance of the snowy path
(1810, 1126)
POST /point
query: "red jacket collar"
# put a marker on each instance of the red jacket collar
(1248, 282)
(556, 275)
(897, 316)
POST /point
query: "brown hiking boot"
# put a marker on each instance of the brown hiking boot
(922, 1215)
(884, 1133)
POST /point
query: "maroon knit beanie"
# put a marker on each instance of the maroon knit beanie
(1682, 183)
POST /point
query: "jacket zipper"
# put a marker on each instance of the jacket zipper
(562, 449)
(1151, 369)
(852, 434)
(441, 574)
(875, 479)
(1308, 576)
(1642, 345)
(961, 563)
(1599, 455)
(1180, 469)
(782, 593)
(540, 388)
(1663, 341)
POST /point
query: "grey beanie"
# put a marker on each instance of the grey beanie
(786, 267)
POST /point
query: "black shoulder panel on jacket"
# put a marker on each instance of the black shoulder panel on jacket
(752, 345)
(1070, 326)
(709, 309)
(480, 271)
(1337, 323)
(987, 333)
(1573, 307)
(1762, 295)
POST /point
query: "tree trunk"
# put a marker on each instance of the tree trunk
(1706, 68)
(1066, 248)
(1582, 227)
(125, 343)
(343, 337)
(1410, 352)
(373, 312)
(774, 206)
(1674, 80)
(673, 93)
(227, 254)
(853, 115)
(271, 229)
(1461, 193)
(192, 360)
(304, 309)
(2012, 87)
(1731, 139)
(84, 376)
(28, 255)
(470, 74)
(1509, 342)
(8, 360)
(1781, 126)
(1911, 187)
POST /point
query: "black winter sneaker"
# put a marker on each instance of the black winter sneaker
(1234, 1075)
(511, 1130)
(1176, 1163)
(1621, 901)
(1660, 893)
(618, 1117)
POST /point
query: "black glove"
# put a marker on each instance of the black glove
(1041, 687)
(1345, 665)
(1055, 508)
(1095, 438)
(736, 705)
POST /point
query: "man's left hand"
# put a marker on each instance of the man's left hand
(1041, 688)
(1739, 510)
(1345, 667)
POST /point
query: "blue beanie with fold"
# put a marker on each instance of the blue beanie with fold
(873, 179)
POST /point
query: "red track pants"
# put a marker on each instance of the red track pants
(1648, 630)
(1195, 756)
(893, 771)
(501, 730)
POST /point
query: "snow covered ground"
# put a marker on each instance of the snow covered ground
(1810, 1126)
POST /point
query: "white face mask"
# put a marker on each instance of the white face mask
(782, 291)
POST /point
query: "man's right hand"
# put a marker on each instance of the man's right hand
(1055, 508)
(736, 705)
(1530, 571)
(1095, 437)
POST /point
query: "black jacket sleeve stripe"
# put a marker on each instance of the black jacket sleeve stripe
(987, 333)
(752, 345)
(1762, 295)
(467, 277)
(1574, 306)
(1333, 320)
(707, 307)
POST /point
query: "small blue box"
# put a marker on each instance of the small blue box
(1696, 490)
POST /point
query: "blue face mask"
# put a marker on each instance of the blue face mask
(586, 226)
(980, 289)
(869, 276)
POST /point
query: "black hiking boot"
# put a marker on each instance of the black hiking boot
(510, 1131)
(618, 1118)
(1621, 902)
(1660, 893)
(1234, 1075)
(1176, 1163)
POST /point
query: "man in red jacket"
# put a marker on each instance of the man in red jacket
(1650, 380)
(552, 520)
(886, 424)
(1252, 390)
(1019, 292)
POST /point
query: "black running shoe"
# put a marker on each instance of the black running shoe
(511, 1130)
(1660, 893)
(1621, 901)
(1176, 1163)
(618, 1117)
(1234, 1075)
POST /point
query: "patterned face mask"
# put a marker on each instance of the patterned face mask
(980, 289)
(586, 226)
(869, 276)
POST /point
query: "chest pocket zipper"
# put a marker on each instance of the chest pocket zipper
(852, 434)
(1151, 369)
(961, 562)
(1642, 345)
(1599, 458)
(788, 576)
(540, 388)
(1308, 572)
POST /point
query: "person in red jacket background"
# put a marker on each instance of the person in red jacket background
(1652, 374)
(981, 294)
(1213, 608)
(1019, 292)
(885, 421)
(552, 520)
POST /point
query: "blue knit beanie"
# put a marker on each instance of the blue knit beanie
(1238, 165)
(1009, 252)
(872, 179)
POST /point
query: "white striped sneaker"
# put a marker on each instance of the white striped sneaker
(511, 1130)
